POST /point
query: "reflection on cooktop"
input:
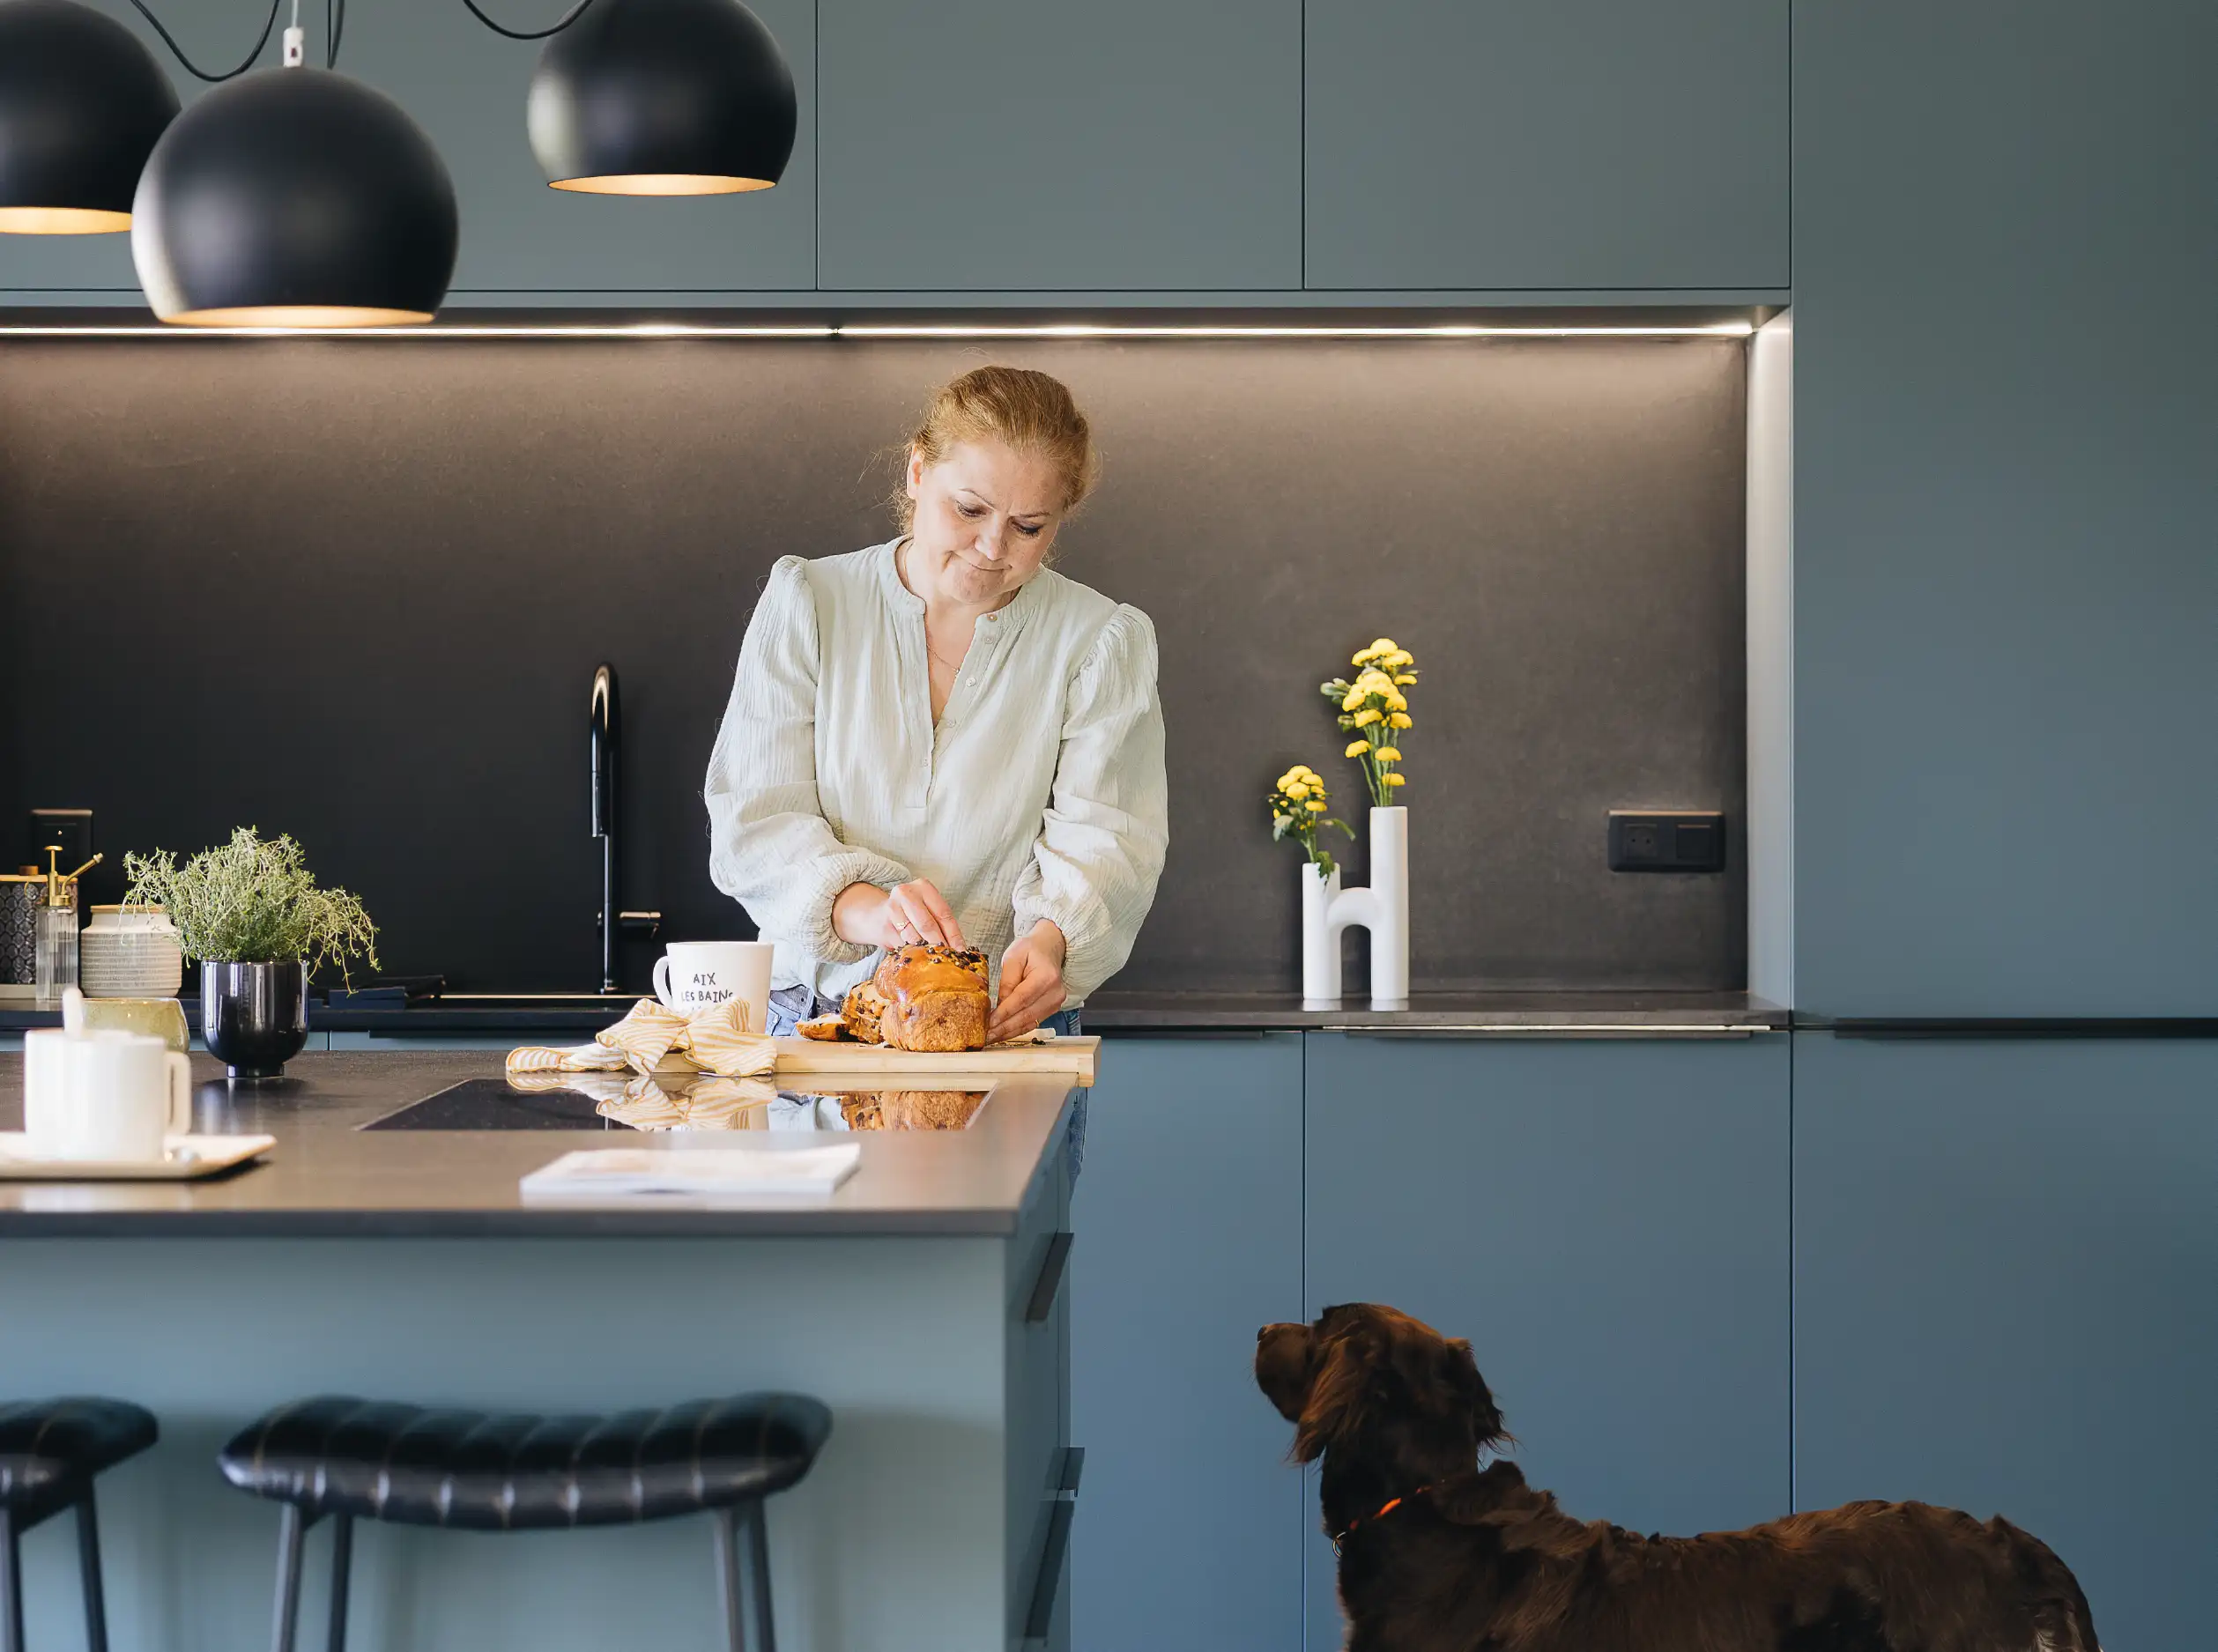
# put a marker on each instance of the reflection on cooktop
(671, 1102)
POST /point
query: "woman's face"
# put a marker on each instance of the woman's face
(985, 517)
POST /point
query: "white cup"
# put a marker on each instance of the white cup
(694, 975)
(109, 1095)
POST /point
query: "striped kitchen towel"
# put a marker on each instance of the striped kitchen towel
(650, 1036)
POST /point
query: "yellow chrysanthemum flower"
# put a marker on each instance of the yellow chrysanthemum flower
(1364, 716)
(1354, 698)
(1387, 754)
(1383, 645)
(1397, 659)
(1317, 806)
(1296, 790)
(1400, 720)
(1395, 780)
(1404, 679)
(1364, 657)
(1356, 748)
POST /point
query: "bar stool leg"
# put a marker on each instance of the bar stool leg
(727, 1578)
(11, 1586)
(88, 1563)
(758, 1563)
(342, 1564)
(291, 1529)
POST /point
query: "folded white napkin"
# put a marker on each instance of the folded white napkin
(694, 1172)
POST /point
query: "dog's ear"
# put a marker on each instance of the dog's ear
(1284, 1362)
(1463, 1375)
(1336, 1392)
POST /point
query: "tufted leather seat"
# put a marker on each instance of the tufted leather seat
(50, 1452)
(48, 1448)
(510, 1470)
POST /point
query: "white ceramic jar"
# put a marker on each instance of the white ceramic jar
(131, 952)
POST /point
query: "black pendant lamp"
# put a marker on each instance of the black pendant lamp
(81, 103)
(294, 197)
(663, 97)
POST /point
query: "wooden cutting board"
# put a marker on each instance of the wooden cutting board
(1074, 1057)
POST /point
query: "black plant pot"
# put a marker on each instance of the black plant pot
(254, 1016)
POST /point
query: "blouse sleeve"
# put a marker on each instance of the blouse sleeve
(771, 848)
(1101, 846)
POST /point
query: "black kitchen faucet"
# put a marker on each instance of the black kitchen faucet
(606, 740)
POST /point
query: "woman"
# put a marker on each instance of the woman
(941, 739)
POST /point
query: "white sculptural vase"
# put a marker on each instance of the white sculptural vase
(1382, 907)
(1320, 942)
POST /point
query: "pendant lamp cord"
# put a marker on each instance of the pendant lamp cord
(334, 28)
(269, 23)
(556, 28)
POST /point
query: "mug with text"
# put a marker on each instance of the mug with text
(695, 976)
(107, 1095)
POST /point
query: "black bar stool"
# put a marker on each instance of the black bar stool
(50, 1451)
(510, 1471)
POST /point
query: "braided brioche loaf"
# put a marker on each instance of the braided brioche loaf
(922, 999)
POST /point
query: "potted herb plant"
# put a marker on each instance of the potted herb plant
(251, 913)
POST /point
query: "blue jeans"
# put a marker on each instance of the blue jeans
(790, 1006)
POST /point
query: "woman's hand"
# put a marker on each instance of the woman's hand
(863, 915)
(1031, 982)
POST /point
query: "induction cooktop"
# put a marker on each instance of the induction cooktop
(620, 1102)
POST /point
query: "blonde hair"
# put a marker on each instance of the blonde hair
(1030, 412)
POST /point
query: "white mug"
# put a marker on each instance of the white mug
(699, 974)
(105, 1095)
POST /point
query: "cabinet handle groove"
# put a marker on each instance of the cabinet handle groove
(1039, 1617)
(1049, 1284)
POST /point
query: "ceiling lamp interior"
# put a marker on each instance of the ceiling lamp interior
(662, 98)
(82, 103)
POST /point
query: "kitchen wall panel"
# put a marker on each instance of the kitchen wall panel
(355, 589)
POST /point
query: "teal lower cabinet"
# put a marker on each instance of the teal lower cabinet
(2007, 1300)
(1188, 1211)
(1606, 1221)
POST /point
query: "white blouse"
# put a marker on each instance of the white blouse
(1040, 794)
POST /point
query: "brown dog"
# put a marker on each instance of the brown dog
(1437, 1555)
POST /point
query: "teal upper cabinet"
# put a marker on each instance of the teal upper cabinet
(465, 86)
(2003, 584)
(1033, 146)
(1546, 145)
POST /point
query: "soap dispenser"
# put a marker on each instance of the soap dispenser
(56, 938)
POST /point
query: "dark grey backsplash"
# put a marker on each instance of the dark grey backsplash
(355, 590)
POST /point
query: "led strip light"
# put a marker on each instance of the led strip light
(893, 330)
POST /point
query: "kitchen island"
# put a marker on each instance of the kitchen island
(919, 1302)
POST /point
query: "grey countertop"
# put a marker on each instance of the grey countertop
(326, 1177)
(1538, 1012)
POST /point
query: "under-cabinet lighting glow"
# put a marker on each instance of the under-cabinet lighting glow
(1423, 330)
(893, 330)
